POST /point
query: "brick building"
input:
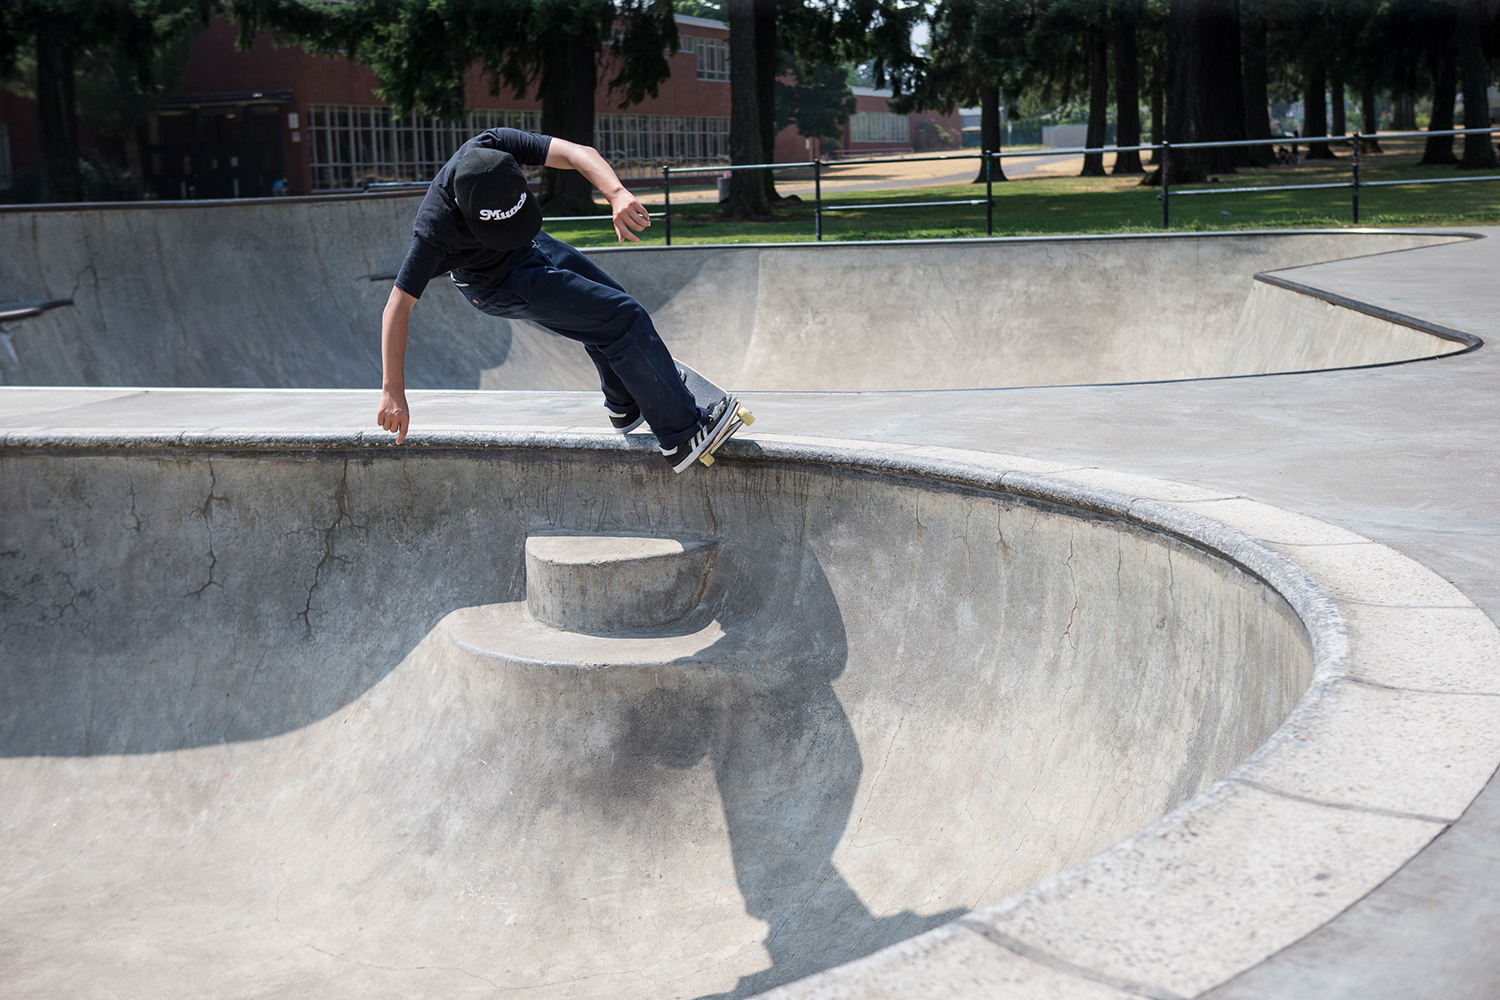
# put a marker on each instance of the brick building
(248, 119)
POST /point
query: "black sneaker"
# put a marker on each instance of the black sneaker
(721, 422)
(624, 422)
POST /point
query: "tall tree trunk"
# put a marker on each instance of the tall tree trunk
(1255, 76)
(1127, 91)
(1219, 94)
(1315, 105)
(1098, 48)
(1337, 93)
(57, 114)
(1479, 151)
(1371, 124)
(1404, 112)
(1439, 149)
(135, 161)
(747, 193)
(1181, 68)
(569, 79)
(989, 130)
(765, 91)
(1158, 90)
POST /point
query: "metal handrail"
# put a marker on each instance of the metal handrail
(1353, 140)
(903, 204)
(1430, 180)
(1264, 187)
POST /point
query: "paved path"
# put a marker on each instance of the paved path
(900, 174)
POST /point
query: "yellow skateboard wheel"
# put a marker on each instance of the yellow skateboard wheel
(706, 459)
(746, 417)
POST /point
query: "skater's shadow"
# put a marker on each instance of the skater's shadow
(787, 766)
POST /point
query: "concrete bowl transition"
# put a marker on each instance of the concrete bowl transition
(275, 717)
(265, 294)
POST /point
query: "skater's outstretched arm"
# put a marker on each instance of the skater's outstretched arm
(393, 415)
(630, 215)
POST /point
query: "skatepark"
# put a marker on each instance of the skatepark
(1082, 617)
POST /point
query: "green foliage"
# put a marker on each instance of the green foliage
(101, 180)
(882, 30)
(861, 75)
(21, 80)
(421, 49)
(973, 43)
(112, 95)
(818, 100)
(136, 30)
(931, 135)
(54, 33)
(650, 32)
(710, 9)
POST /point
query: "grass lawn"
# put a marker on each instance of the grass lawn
(1069, 204)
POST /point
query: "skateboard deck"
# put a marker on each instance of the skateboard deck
(706, 394)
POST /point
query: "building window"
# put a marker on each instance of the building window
(878, 126)
(349, 146)
(5, 174)
(712, 53)
(640, 145)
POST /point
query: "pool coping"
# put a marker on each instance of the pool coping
(1336, 801)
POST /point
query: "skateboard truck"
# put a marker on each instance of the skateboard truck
(706, 393)
(741, 416)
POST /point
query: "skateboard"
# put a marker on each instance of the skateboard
(706, 394)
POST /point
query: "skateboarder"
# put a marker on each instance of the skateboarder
(481, 223)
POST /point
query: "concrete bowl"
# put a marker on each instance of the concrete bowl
(920, 682)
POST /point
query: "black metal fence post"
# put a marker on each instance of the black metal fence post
(989, 197)
(818, 197)
(1354, 159)
(1166, 184)
(666, 194)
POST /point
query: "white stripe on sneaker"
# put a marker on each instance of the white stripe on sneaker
(708, 436)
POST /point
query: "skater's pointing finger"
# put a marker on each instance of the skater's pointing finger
(395, 423)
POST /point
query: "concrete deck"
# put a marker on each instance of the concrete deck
(1402, 454)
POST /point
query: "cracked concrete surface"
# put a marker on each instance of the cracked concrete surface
(747, 844)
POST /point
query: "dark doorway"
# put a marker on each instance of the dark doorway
(228, 151)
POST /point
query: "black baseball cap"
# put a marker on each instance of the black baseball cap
(491, 191)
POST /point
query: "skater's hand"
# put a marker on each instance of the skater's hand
(630, 216)
(393, 415)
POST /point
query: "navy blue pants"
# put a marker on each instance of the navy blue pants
(558, 288)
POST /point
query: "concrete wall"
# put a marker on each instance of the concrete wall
(919, 699)
(1281, 328)
(1065, 136)
(277, 293)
